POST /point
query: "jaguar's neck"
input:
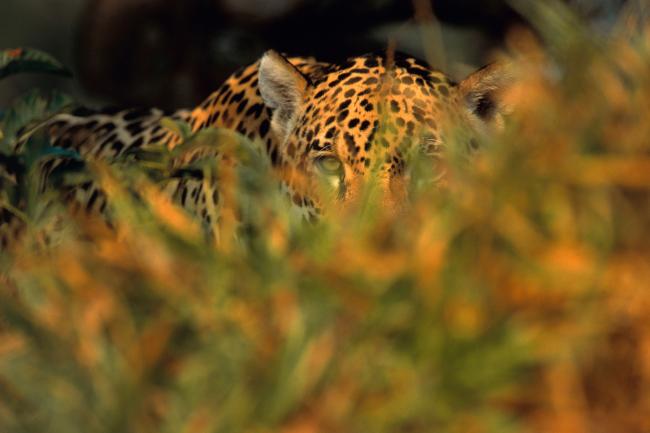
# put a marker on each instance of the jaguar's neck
(237, 105)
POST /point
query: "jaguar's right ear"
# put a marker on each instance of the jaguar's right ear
(283, 88)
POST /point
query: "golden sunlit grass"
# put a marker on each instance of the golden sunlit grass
(517, 301)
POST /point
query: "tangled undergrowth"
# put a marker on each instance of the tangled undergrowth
(516, 301)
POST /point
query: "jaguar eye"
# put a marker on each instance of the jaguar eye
(426, 169)
(329, 165)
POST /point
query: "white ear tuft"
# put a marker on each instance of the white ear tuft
(283, 89)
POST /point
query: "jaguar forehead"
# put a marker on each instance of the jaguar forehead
(364, 106)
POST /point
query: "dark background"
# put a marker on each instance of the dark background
(173, 53)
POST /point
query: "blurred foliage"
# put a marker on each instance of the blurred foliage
(31, 107)
(515, 301)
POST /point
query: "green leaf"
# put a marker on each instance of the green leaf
(24, 60)
(30, 108)
(38, 149)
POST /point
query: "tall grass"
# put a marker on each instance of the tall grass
(515, 301)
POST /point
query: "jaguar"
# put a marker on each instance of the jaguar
(336, 125)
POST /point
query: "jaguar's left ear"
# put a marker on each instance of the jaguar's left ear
(283, 88)
(483, 93)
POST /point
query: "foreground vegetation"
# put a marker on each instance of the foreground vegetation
(516, 301)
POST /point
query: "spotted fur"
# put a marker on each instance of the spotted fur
(318, 123)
